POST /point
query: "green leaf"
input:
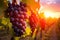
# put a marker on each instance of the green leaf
(3, 3)
(4, 21)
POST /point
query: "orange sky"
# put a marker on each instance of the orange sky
(51, 6)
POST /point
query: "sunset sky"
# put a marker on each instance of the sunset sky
(51, 6)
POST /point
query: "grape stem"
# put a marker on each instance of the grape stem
(18, 1)
(10, 1)
(30, 8)
(15, 1)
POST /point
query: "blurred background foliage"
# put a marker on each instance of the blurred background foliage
(3, 6)
(5, 25)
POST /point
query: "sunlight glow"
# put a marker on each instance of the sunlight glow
(50, 14)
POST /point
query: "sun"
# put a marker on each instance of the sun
(49, 14)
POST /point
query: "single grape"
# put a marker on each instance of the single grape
(16, 12)
(11, 14)
(12, 19)
(17, 19)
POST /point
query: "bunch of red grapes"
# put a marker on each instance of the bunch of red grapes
(33, 21)
(17, 15)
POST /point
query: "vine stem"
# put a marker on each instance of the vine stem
(17, 1)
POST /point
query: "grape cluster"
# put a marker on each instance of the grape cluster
(17, 15)
(33, 21)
